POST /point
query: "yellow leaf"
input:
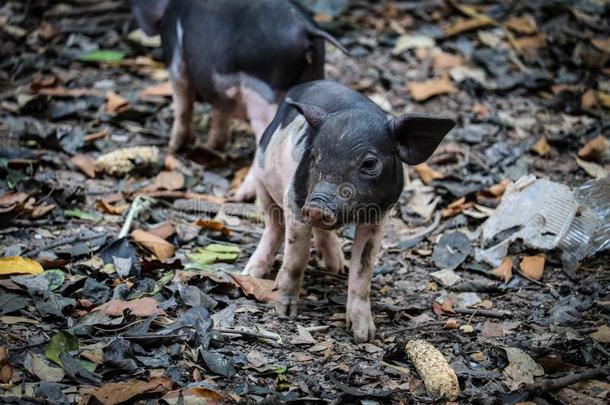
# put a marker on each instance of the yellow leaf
(19, 265)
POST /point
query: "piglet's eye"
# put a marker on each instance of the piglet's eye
(370, 166)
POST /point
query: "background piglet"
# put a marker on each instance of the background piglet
(332, 157)
(239, 55)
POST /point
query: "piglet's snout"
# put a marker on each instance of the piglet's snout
(315, 215)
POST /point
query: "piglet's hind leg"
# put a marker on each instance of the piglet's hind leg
(290, 277)
(184, 98)
(328, 245)
(358, 309)
(261, 261)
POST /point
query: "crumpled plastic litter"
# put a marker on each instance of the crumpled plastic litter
(547, 215)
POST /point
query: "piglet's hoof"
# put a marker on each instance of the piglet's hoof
(245, 192)
(257, 270)
(360, 321)
(286, 305)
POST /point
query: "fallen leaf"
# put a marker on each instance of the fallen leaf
(6, 370)
(164, 230)
(85, 163)
(60, 343)
(304, 337)
(88, 216)
(239, 177)
(19, 265)
(523, 25)
(451, 323)
(456, 207)
(602, 334)
(261, 289)
(115, 103)
(117, 393)
(406, 42)
(444, 61)
(505, 270)
(107, 56)
(213, 225)
(521, 368)
(466, 329)
(430, 88)
(542, 147)
(596, 149)
(531, 43)
(108, 208)
(102, 133)
(139, 307)
(121, 162)
(533, 266)
(195, 395)
(161, 248)
(463, 25)
(158, 90)
(492, 329)
(213, 253)
(592, 169)
(497, 190)
(603, 44)
(426, 173)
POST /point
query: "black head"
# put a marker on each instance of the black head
(351, 171)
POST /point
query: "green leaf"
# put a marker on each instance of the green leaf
(88, 365)
(103, 56)
(90, 216)
(217, 247)
(61, 343)
(56, 278)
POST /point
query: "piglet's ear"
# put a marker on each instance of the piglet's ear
(314, 115)
(418, 136)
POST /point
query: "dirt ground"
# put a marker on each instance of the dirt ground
(162, 315)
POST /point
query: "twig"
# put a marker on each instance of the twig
(139, 203)
(548, 385)
(246, 334)
(65, 241)
(483, 312)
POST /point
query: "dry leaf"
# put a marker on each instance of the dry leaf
(167, 180)
(6, 371)
(19, 265)
(444, 61)
(603, 44)
(542, 147)
(531, 43)
(596, 149)
(161, 248)
(239, 177)
(85, 163)
(430, 88)
(497, 190)
(602, 334)
(259, 288)
(523, 25)
(533, 266)
(162, 89)
(213, 225)
(164, 230)
(140, 307)
(118, 393)
(592, 169)
(521, 368)
(451, 323)
(505, 270)
(463, 25)
(456, 207)
(114, 103)
(105, 206)
(426, 173)
(102, 133)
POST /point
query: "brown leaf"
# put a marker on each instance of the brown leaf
(259, 288)
(505, 270)
(456, 207)
(9, 201)
(167, 180)
(117, 393)
(140, 307)
(102, 133)
(492, 329)
(497, 190)
(463, 25)
(426, 173)
(451, 323)
(542, 147)
(158, 90)
(161, 248)
(603, 44)
(596, 149)
(239, 177)
(114, 103)
(6, 371)
(531, 43)
(430, 88)
(213, 225)
(85, 163)
(164, 230)
(592, 169)
(533, 266)
(602, 334)
(523, 25)
(195, 395)
(108, 208)
(65, 92)
(445, 61)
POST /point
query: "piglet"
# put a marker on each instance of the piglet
(241, 56)
(332, 157)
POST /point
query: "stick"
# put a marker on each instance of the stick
(548, 385)
(64, 241)
(484, 312)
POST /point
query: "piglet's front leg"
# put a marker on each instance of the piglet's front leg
(296, 254)
(358, 309)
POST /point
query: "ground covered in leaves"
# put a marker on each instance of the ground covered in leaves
(141, 297)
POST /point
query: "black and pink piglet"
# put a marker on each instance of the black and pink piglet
(332, 157)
